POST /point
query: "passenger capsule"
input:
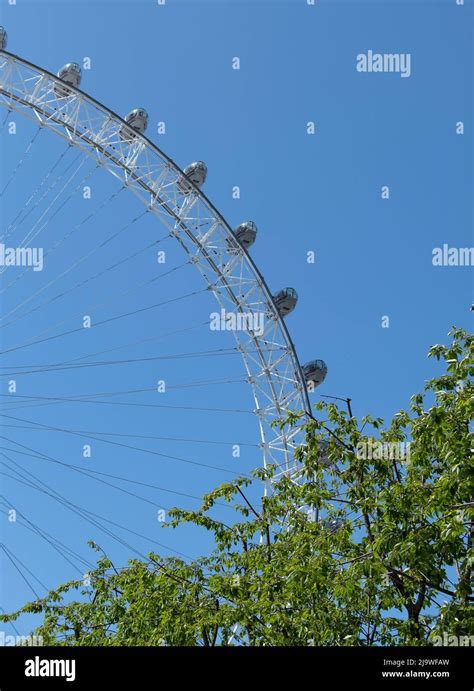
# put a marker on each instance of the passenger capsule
(245, 233)
(324, 460)
(197, 173)
(69, 74)
(3, 38)
(137, 120)
(323, 449)
(285, 301)
(332, 525)
(314, 373)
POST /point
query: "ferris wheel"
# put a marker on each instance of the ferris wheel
(144, 358)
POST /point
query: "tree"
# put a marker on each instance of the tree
(372, 547)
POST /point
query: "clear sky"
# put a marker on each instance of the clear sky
(318, 192)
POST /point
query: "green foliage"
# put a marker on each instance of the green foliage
(371, 547)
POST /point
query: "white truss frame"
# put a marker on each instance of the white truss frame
(271, 363)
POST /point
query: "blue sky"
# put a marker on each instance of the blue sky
(318, 193)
